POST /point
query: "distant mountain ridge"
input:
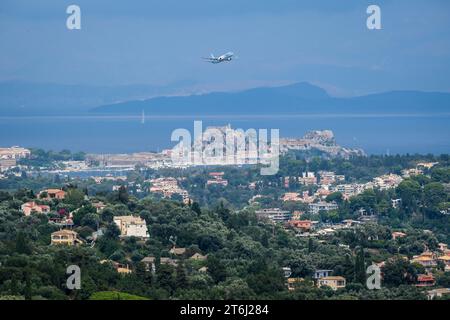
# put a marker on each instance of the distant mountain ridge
(31, 99)
(297, 98)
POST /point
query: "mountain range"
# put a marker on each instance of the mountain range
(29, 99)
(298, 98)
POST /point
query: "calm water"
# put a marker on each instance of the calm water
(373, 133)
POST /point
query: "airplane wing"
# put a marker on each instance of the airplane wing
(210, 60)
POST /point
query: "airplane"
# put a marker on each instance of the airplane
(223, 58)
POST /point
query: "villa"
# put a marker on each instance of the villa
(32, 207)
(178, 251)
(334, 283)
(50, 194)
(397, 235)
(446, 260)
(302, 225)
(217, 178)
(150, 262)
(198, 256)
(292, 283)
(120, 268)
(131, 226)
(65, 237)
(425, 280)
(426, 259)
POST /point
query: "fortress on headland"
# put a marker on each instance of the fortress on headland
(322, 141)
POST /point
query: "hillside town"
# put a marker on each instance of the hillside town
(147, 223)
(136, 227)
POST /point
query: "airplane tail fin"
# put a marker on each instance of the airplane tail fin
(212, 56)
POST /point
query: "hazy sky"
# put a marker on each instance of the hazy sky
(283, 41)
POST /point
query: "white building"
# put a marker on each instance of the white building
(14, 153)
(131, 226)
(329, 177)
(396, 203)
(387, 181)
(315, 208)
(349, 190)
(308, 178)
(274, 214)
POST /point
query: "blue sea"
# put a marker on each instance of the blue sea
(376, 134)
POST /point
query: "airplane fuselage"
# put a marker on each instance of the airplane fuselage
(223, 58)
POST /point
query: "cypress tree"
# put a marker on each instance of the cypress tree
(360, 268)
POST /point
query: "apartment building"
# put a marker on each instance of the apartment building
(315, 208)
